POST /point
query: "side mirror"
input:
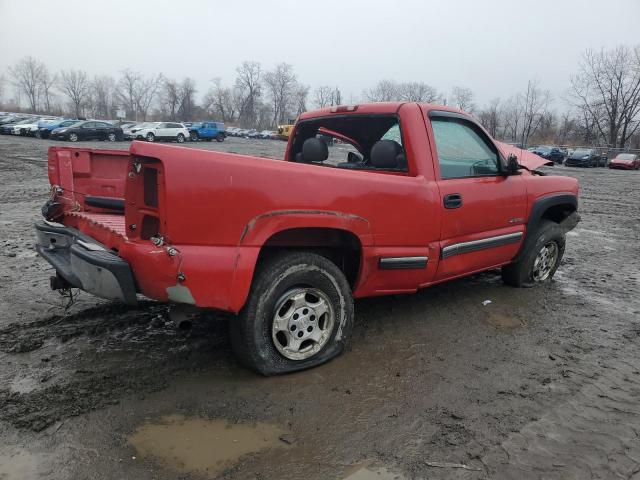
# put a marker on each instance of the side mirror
(513, 167)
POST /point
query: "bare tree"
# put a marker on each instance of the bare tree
(462, 98)
(26, 76)
(186, 94)
(337, 97)
(491, 117)
(75, 85)
(103, 96)
(300, 99)
(145, 93)
(280, 84)
(384, 91)
(417, 92)
(47, 83)
(323, 96)
(249, 89)
(536, 102)
(220, 102)
(607, 88)
(169, 99)
(126, 91)
(2, 87)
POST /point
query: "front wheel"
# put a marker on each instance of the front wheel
(150, 137)
(194, 136)
(299, 314)
(541, 258)
(111, 137)
(73, 137)
(180, 138)
(220, 138)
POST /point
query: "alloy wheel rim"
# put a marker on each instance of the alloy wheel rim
(302, 323)
(545, 262)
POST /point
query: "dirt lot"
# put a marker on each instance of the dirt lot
(540, 383)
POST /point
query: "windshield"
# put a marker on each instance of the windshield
(581, 152)
(543, 149)
(626, 156)
(68, 123)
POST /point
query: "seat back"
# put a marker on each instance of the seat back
(387, 154)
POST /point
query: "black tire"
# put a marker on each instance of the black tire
(150, 137)
(180, 138)
(38, 134)
(194, 136)
(521, 273)
(111, 137)
(73, 137)
(220, 138)
(251, 331)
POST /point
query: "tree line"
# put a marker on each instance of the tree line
(601, 105)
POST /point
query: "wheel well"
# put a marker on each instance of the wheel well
(340, 246)
(557, 213)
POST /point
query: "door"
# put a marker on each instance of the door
(87, 131)
(102, 129)
(483, 219)
(162, 132)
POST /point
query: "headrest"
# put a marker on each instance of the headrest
(314, 150)
(386, 154)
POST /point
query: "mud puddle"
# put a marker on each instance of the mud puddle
(502, 320)
(367, 473)
(200, 445)
(17, 464)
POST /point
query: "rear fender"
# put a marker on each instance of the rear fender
(259, 229)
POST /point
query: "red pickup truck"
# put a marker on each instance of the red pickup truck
(371, 199)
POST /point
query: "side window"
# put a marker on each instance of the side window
(462, 150)
(89, 125)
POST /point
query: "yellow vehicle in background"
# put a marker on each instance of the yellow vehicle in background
(285, 130)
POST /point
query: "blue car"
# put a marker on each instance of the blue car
(45, 128)
(208, 131)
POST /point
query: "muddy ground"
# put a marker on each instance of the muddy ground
(540, 383)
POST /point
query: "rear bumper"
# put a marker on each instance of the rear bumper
(84, 263)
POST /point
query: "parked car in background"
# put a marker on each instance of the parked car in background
(626, 161)
(264, 134)
(550, 153)
(7, 127)
(583, 157)
(47, 126)
(252, 133)
(162, 131)
(88, 130)
(208, 131)
(129, 131)
(30, 128)
(232, 131)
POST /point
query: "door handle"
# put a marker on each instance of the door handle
(453, 200)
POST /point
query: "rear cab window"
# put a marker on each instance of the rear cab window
(366, 142)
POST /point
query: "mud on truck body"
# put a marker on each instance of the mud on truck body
(410, 195)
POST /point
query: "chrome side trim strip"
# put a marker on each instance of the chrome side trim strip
(475, 245)
(402, 263)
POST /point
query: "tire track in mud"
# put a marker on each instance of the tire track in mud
(76, 381)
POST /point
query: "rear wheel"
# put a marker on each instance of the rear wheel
(541, 258)
(73, 137)
(38, 134)
(220, 138)
(194, 136)
(299, 314)
(150, 137)
(180, 138)
(111, 137)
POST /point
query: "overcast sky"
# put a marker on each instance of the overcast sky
(491, 46)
